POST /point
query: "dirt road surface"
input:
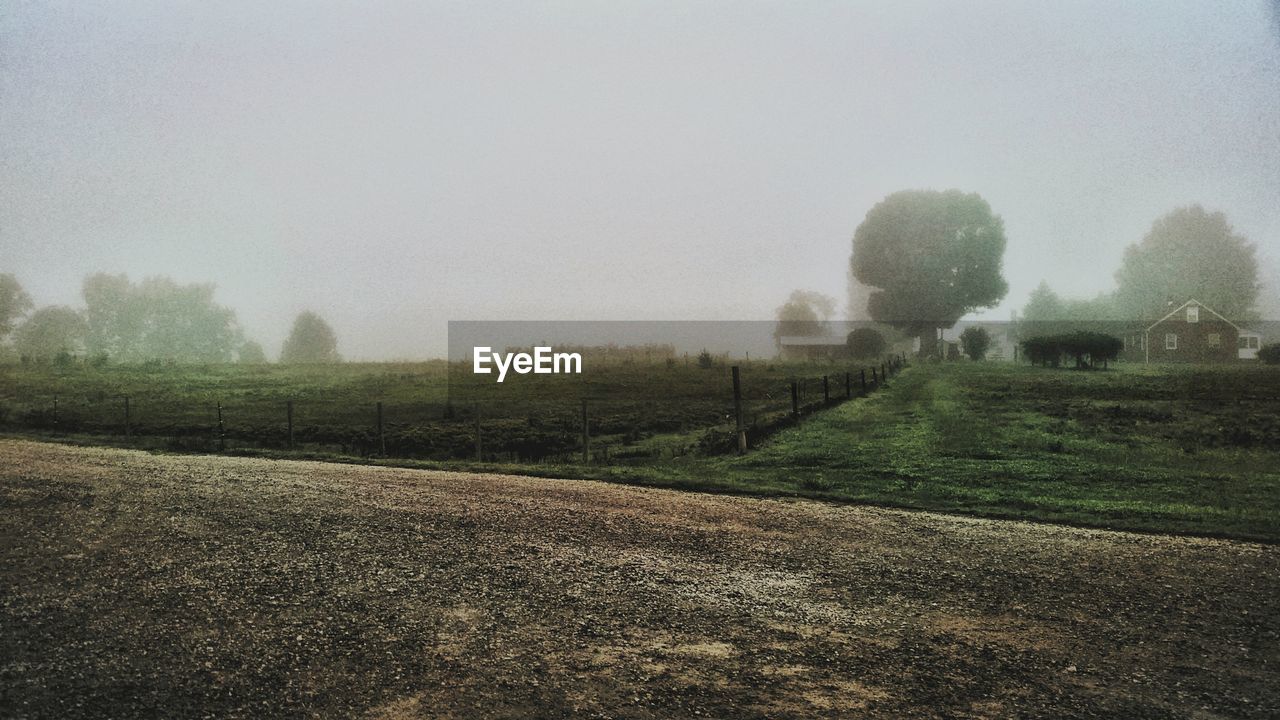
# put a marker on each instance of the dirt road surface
(136, 585)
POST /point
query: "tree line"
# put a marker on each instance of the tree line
(922, 259)
(1188, 253)
(152, 319)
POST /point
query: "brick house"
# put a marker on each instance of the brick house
(1192, 333)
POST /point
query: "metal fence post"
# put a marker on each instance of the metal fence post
(382, 439)
(586, 435)
(737, 411)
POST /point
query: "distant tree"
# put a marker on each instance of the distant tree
(1189, 253)
(251, 353)
(311, 341)
(1044, 304)
(1047, 313)
(866, 343)
(932, 257)
(1270, 354)
(114, 316)
(185, 324)
(14, 303)
(157, 318)
(705, 361)
(50, 332)
(806, 313)
(975, 340)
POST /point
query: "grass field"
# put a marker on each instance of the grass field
(1168, 449)
(429, 409)
(1171, 449)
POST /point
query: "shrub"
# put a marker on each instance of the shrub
(1089, 349)
(975, 340)
(705, 361)
(1042, 350)
(1270, 354)
(865, 343)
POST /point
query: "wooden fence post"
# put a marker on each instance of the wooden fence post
(55, 413)
(737, 411)
(826, 391)
(862, 375)
(127, 430)
(289, 411)
(875, 381)
(795, 400)
(222, 434)
(479, 446)
(382, 439)
(848, 385)
(586, 435)
(883, 375)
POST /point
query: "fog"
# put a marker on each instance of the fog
(396, 166)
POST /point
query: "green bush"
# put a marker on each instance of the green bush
(1270, 354)
(1088, 349)
(975, 340)
(865, 343)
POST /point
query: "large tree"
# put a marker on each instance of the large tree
(311, 341)
(932, 257)
(1189, 253)
(157, 318)
(49, 332)
(14, 303)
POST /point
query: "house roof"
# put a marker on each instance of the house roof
(1197, 304)
(811, 340)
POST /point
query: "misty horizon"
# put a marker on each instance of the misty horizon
(399, 167)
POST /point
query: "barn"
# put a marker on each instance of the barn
(1192, 333)
(806, 347)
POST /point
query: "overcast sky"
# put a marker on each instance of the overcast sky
(394, 166)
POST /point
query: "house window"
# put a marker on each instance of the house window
(1170, 341)
(1215, 340)
(1193, 313)
(1248, 342)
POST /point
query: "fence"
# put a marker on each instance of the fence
(632, 424)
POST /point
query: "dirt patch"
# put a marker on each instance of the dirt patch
(155, 586)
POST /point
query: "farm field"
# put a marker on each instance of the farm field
(1170, 449)
(148, 585)
(429, 408)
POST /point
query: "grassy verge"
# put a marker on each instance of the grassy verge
(1038, 444)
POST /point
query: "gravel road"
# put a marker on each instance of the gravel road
(137, 585)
